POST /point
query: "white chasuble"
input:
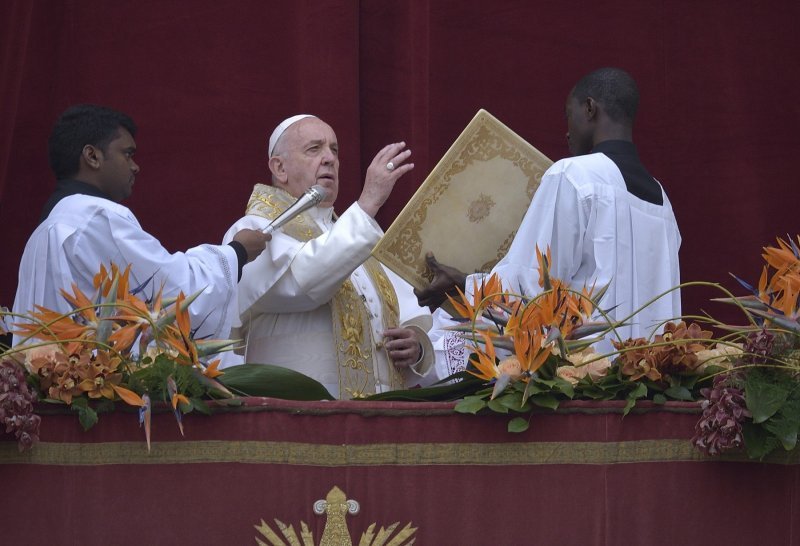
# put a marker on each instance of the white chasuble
(315, 301)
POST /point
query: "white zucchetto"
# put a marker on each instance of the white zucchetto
(281, 128)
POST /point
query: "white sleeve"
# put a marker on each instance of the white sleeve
(294, 276)
(114, 235)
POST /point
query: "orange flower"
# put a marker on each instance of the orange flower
(486, 364)
(105, 279)
(544, 261)
(42, 362)
(101, 375)
(137, 319)
(52, 326)
(68, 374)
(181, 337)
(677, 356)
(637, 361)
(490, 289)
(212, 371)
(782, 291)
(531, 349)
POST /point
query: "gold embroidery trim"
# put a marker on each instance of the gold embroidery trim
(404, 454)
(353, 337)
(390, 311)
(269, 201)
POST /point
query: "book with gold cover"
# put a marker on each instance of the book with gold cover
(468, 209)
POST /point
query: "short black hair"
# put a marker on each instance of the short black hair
(78, 126)
(612, 87)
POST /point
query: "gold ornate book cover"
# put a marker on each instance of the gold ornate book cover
(468, 209)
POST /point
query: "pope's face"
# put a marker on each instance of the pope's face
(309, 156)
(117, 167)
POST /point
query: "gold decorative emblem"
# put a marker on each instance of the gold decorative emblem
(480, 208)
(335, 506)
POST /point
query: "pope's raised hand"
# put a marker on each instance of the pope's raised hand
(386, 168)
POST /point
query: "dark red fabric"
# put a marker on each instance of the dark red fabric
(207, 81)
(693, 502)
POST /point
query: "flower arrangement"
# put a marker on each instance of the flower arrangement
(527, 352)
(124, 344)
(756, 405)
(115, 346)
(541, 350)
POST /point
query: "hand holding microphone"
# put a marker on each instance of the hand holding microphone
(312, 197)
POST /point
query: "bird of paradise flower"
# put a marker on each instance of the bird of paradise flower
(776, 298)
(532, 328)
(89, 351)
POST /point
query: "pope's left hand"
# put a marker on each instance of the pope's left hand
(402, 346)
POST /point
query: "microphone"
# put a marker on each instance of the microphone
(311, 198)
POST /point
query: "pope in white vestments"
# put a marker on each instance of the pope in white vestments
(84, 227)
(316, 302)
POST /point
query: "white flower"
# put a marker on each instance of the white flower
(721, 355)
(584, 363)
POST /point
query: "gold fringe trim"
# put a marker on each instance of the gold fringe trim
(411, 454)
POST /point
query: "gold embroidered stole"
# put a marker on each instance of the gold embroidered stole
(354, 344)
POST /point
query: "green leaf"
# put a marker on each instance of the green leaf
(565, 387)
(470, 404)
(785, 424)
(87, 417)
(104, 406)
(497, 405)
(659, 399)
(639, 391)
(764, 395)
(711, 369)
(679, 392)
(272, 381)
(455, 387)
(200, 406)
(513, 401)
(545, 401)
(518, 424)
(758, 442)
(78, 403)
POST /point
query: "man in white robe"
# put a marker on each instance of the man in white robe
(83, 225)
(317, 303)
(604, 217)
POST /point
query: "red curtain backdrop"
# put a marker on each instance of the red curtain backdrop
(206, 82)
